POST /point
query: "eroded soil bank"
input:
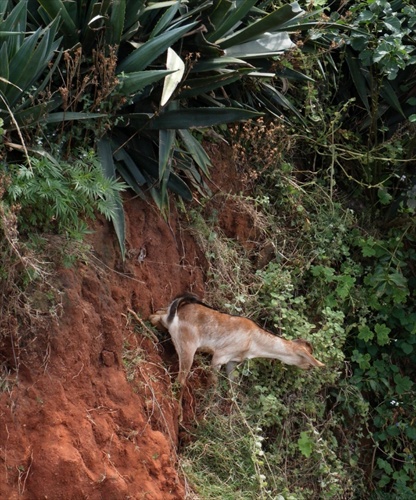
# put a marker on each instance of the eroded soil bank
(87, 409)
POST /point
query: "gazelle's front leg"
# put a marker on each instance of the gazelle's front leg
(186, 353)
(158, 319)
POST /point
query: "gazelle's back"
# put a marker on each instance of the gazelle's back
(213, 330)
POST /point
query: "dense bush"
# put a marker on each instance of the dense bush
(343, 279)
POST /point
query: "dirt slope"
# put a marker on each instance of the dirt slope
(90, 413)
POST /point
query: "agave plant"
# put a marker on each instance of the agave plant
(174, 59)
(29, 58)
(167, 68)
(24, 60)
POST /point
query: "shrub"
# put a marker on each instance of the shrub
(61, 196)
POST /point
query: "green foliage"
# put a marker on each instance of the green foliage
(287, 408)
(232, 470)
(346, 285)
(383, 35)
(25, 60)
(380, 54)
(61, 196)
(149, 73)
(384, 351)
(305, 444)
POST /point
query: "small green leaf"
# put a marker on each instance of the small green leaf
(305, 444)
(382, 332)
(406, 348)
(384, 196)
(345, 283)
(411, 433)
(384, 465)
(398, 279)
(363, 360)
(365, 333)
(367, 249)
(403, 383)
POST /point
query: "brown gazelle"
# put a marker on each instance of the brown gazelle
(194, 326)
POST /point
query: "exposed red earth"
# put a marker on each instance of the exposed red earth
(90, 412)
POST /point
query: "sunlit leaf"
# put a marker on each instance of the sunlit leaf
(269, 44)
(177, 68)
(270, 22)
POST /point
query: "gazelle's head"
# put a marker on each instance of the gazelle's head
(305, 351)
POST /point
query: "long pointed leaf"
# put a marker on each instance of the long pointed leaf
(31, 59)
(56, 8)
(131, 83)
(116, 22)
(200, 117)
(226, 23)
(390, 97)
(199, 86)
(268, 23)
(218, 63)
(274, 95)
(4, 68)
(27, 116)
(149, 51)
(358, 78)
(40, 85)
(121, 155)
(219, 13)
(14, 24)
(166, 142)
(137, 120)
(71, 115)
(178, 186)
(165, 19)
(269, 44)
(130, 180)
(105, 155)
(292, 74)
(197, 152)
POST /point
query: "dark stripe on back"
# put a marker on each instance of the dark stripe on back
(182, 300)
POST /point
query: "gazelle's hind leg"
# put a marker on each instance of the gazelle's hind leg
(230, 370)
